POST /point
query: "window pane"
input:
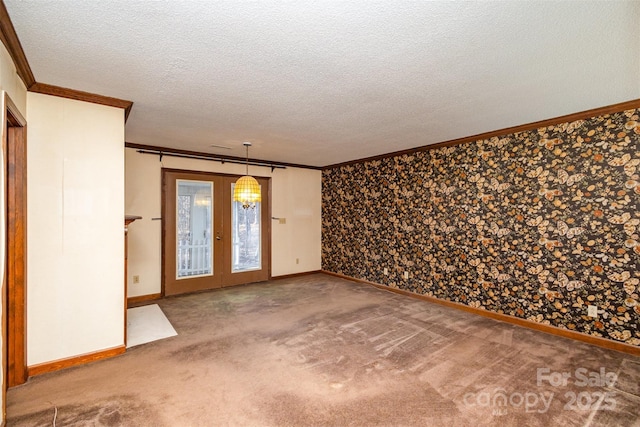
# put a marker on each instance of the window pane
(246, 243)
(194, 252)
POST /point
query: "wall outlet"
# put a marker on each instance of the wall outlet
(406, 274)
(297, 260)
(592, 310)
(136, 279)
(282, 220)
(386, 271)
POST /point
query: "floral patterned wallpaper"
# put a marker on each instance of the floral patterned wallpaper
(536, 224)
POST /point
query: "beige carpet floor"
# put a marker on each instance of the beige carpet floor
(321, 351)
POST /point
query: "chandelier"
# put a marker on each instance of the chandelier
(247, 189)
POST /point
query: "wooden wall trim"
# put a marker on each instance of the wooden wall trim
(215, 156)
(553, 330)
(12, 43)
(14, 140)
(582, 115)
(14, 47)
(4, 355)
(294, 275)
(82, 359)
(143, 298)
(16, 254)
(79, 95)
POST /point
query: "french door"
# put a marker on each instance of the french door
(208, 240)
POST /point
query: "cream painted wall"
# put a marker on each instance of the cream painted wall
(75, 222)
(296, 196)
(14, 87)
(10, 82)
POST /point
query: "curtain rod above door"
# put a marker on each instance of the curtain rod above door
(161, 154)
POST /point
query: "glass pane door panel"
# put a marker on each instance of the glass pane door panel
(246, 242)
(194, 249)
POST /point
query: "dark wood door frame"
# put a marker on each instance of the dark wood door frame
(14, 282)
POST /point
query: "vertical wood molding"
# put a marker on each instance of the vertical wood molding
(3, 298)
(14, 138)
(4, 354)
(128, 219)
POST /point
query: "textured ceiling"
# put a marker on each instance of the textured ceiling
(324, 82)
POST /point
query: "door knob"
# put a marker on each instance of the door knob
(218, 237)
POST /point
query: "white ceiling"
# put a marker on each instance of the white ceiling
(322, 82)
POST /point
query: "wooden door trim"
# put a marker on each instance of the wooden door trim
(268, 224)
(14, 140)
(163, 183)
(199, 172)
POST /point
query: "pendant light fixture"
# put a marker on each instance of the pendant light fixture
(247, 189)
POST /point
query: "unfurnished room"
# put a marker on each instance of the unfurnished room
(320, 213)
